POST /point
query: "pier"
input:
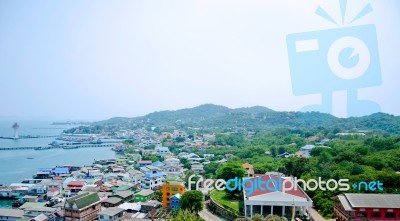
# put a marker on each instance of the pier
(26, 137)
(58, 147)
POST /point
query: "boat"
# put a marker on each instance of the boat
(41, 148)
(98, 141)
(30, 158)
(54, 143)
(69, 147)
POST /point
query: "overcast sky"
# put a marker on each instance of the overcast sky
(99, 59)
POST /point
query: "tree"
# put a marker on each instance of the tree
(231, 171)
(273, 151)
(192, 201)
(158, 195)
(184, 215)
(211, 168)
(179, 139)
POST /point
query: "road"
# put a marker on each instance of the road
(317, 217)
(208, 216)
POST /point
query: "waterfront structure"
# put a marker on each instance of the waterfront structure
(366, 206)
(273, 201)
(11, 214)
(82, 207)
(13, 191)
(111, 214)
(15, 127)
(171, 187)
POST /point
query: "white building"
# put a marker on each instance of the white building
(273, 201)
(153, 177)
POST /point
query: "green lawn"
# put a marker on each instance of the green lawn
(222, 198)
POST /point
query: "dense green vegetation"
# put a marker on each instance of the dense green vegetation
(219, 118)
(192, 201)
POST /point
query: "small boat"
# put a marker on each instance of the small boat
(42, 148)
(30, 158)
(69, 147)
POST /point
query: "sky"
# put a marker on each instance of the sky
(73, 59)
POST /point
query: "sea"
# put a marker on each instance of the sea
(17, 165)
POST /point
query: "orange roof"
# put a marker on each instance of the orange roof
(247, 166)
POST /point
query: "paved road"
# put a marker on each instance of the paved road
(208, 216)
(317, 217)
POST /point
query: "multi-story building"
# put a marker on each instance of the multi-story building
(171, 187)
(175, 201)
(153, 177)
(85, 206)
(367, 206)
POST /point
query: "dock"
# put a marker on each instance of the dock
(58, 147)
(27, 137)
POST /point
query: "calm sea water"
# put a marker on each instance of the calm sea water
(14, 165)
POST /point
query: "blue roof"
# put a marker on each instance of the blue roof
(176, 196)
(61, 170)
(44, 170)
(158, 164)
(157, 174)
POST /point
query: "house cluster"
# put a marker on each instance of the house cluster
(108, 190)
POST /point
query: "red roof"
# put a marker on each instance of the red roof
(54, 189)
(57, 178)
(298, 192)
(76, 183)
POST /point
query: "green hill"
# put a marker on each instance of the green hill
(217, 117)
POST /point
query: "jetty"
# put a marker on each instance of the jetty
(58, 147)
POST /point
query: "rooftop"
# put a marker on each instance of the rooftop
(124, 194)
(112, 211)
(112, 200)
(369, 200)
(83, 200)
(145, 192)
(11, 212)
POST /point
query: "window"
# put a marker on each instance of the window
(361, 214)
(174, 189)
(376, 214)
(101, 217)
(167, 194)
(167, 188)
(390, 215)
